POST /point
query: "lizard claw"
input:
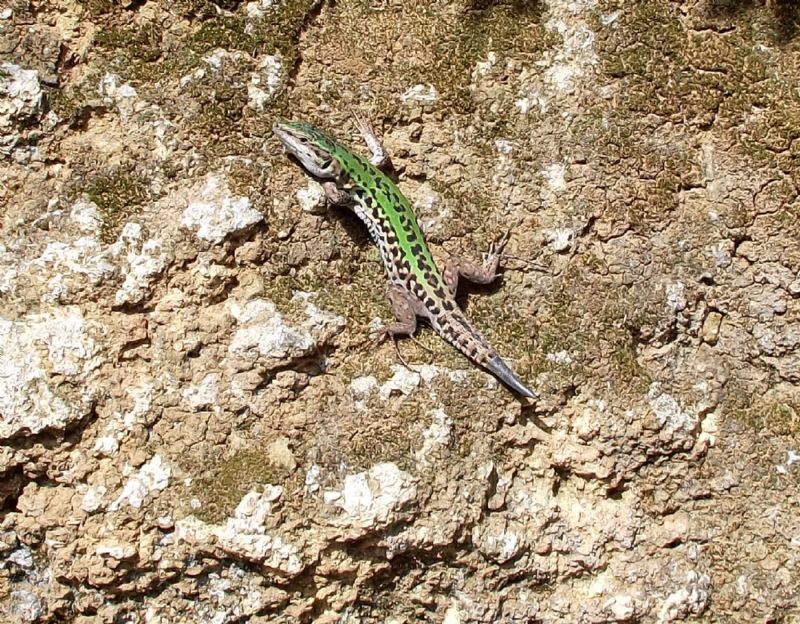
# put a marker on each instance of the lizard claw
(361, 121)
(380, 334)
(499, 244)
(496, 249)
(379, 156)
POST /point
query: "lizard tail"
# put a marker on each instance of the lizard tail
(456, 330)
(502, 371)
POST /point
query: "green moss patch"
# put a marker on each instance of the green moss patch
(667, 73)
(222, 487)
(778, 417)
(421, 42)
(118, 195)
(377, 441)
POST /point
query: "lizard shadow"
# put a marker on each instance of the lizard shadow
(528, 414)
(517, 6)
(352, 225)
(784, 14)
(466, 289)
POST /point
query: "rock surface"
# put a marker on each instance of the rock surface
(194, 423)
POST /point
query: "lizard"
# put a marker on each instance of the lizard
(417, 288)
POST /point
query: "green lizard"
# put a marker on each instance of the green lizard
(417, 288)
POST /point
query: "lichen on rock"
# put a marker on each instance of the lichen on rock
(196, 422)
(34, 352)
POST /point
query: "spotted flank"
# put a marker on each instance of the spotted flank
(417, 288)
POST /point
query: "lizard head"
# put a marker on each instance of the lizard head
(312, 149)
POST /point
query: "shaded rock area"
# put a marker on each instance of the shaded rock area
(195, 425)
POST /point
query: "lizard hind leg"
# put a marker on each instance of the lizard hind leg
(405, 310)
(478, 274)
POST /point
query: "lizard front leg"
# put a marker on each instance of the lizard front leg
(335, 195)
(479, 274)
(379, 156)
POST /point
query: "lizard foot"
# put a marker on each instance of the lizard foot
(377, 336)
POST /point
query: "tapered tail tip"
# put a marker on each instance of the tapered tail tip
(507, 376)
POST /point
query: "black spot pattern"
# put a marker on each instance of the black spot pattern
(435, 297)
(454, 328)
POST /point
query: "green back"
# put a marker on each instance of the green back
(390, 201)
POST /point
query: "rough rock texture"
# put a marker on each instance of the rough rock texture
(194, 423)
